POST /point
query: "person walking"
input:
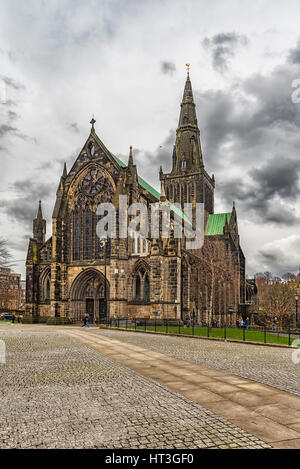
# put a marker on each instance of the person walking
(83, 320)
(188, 320)
(87, 321)
(13, 317)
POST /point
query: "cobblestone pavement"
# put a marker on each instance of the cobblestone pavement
(267, 365)
(58, 393)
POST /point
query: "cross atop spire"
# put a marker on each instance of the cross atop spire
(93, 122)
(188, 69)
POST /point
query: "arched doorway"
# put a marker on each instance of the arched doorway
(89, 294)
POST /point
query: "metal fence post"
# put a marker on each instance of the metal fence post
(244, 333)
(155, 324)
(265, 335)
(178, 327)
(193, 328)
(145, 324)
(207, 330)
(126, 323)
(289, 335)
(135, 324)
(167, 326)
(225, 335)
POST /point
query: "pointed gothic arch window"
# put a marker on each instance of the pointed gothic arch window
(142, 285)
(146, 288)
(138, 287)
(47, 292)
(76, 228)
(87, 234)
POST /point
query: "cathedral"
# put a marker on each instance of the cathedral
(75, 272)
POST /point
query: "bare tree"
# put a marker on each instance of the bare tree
(277, 303)
(217, 269)
(289, 277)
(5, 255)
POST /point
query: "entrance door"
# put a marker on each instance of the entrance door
(90, 309)
(102, 309)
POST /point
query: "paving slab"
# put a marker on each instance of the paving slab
(243, 402)
(58, 393)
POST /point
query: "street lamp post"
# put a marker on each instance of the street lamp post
(103, 244)
(297, 299)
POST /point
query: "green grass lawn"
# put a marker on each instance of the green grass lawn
(232, 334)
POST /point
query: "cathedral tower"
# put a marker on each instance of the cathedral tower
(188, 180)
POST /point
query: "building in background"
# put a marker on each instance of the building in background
(12, 291)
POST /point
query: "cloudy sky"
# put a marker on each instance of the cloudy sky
(61, 61)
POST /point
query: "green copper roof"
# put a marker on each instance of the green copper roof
(215, 224)
(151, 189)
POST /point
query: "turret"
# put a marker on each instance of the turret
(39, 226)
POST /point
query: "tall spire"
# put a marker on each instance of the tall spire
(188, 108)
(187, 155)
(39, 226)
(130, 159)
(39, 213)
(65, 173)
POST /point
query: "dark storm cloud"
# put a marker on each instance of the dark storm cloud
(7, 129)
(12, 83)
(12, 115)
(294, 54)
(280, 176)
(264, 195)
(252, 130)
(168, 68)
(281, 256)
(74, 127)
(223, 47)
(23, 207)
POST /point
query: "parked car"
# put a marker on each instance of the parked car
(6, 316)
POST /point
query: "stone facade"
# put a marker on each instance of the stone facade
(75, 272)
(12, 292)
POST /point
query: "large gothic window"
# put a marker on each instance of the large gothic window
(47, 293)
(138, 287)
(76, 235)
(146, 288)
(142, 285)
(87, 234)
